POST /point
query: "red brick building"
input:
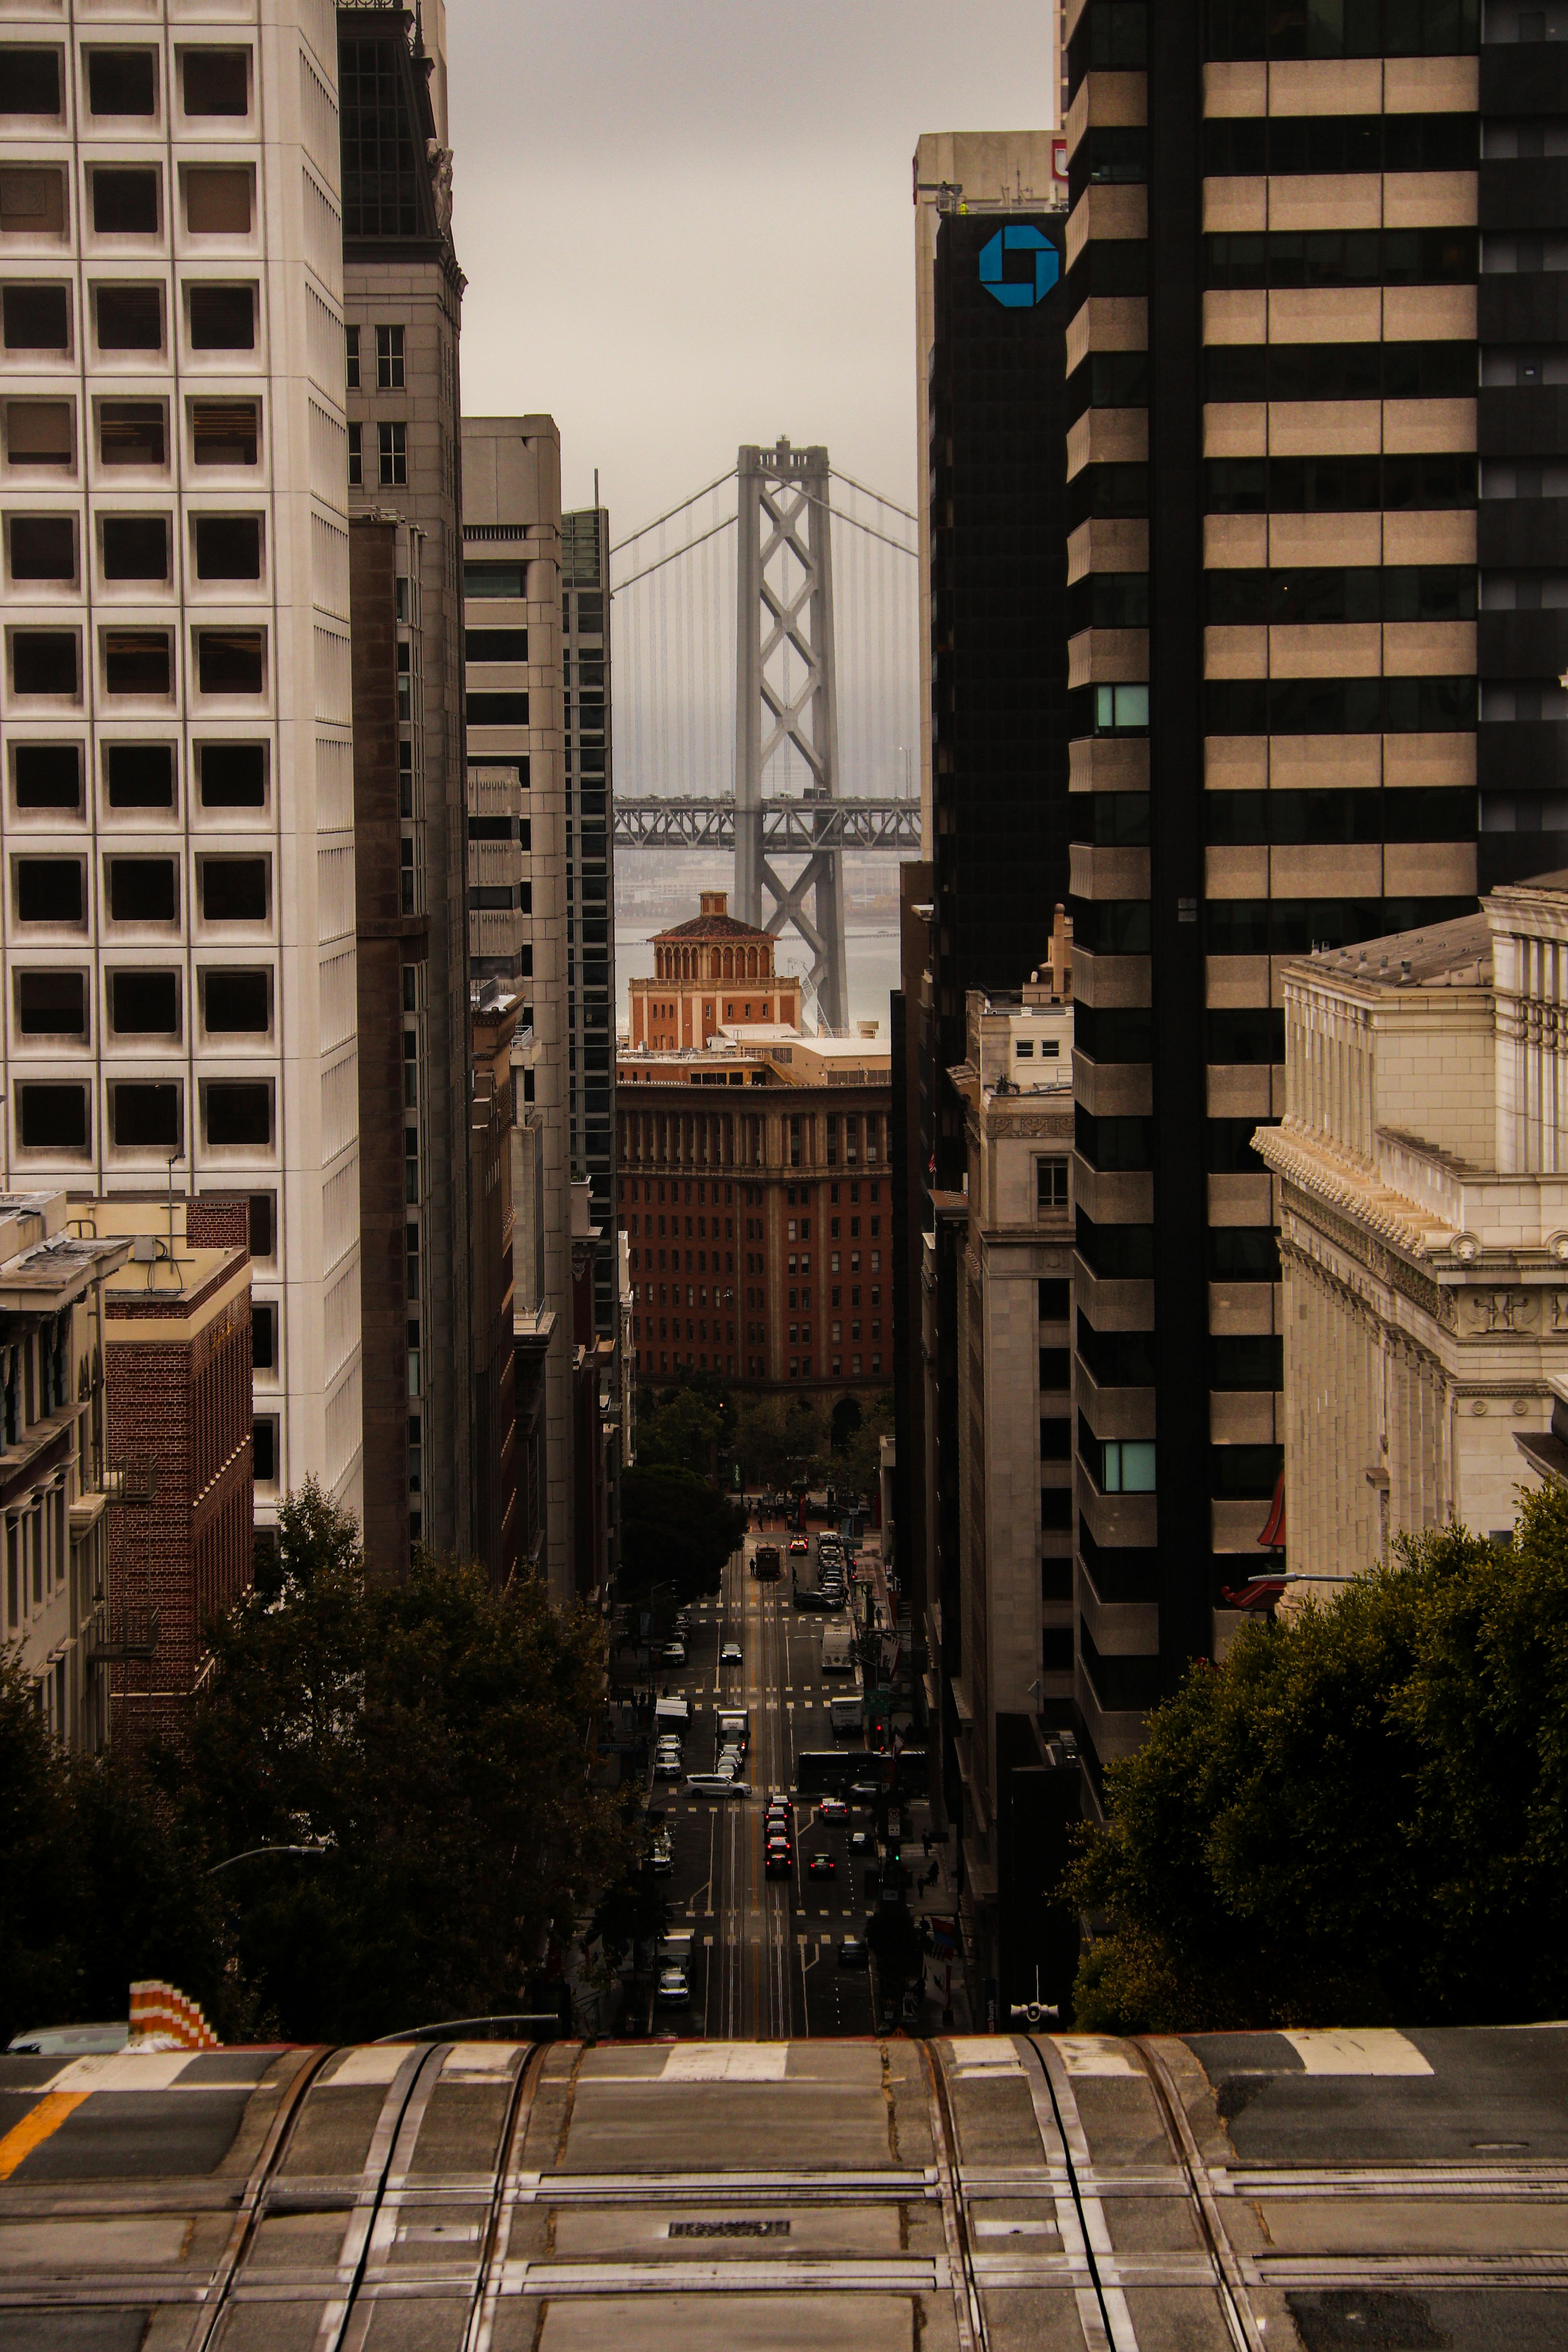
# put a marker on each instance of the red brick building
(708, 974)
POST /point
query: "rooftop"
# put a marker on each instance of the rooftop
(1444, 955)
(713, 921)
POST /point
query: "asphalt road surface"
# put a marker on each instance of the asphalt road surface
(1308, 2193)
(764, 1952)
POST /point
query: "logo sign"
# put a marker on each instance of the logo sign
(1015, 293)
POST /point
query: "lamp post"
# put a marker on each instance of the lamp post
(325, 1846)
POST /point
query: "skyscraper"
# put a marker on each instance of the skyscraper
(178, 786)
(589, 763)
(1315, 284)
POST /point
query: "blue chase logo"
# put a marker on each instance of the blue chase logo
(1019, 293)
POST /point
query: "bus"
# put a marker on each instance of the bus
(765, 1563)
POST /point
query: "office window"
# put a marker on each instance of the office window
(351, 355)
(232, 775)
(356, 457)
(264, 1449)
(238, 1113)
(488, 580)
(215, 81)
(392, 449)
(47, 775)
(228, 547)
(138, 661)
(389, 359)
(39, 433)
(231, 661)
(124, 201)
(129, 318)
(234, 890)
(1123, 1467)
(145, 1116)
(263, 1336)
(223, 317)
(142, 890)
(263, 1235)
(217, 199)
(29, 80)
(121, 82)
(36, 315)
(51, 1004)
(1050, 1186)
(51, 1117)
(225, 432)
(135, 546)
(140, 775)
(43, 661)
(41, 547)
(235, 1002)
(495, 644)
(131, 433)
(144, 1003)
(33, 201)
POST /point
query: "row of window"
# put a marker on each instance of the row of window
(131, 433)
(131, 547)
(140, 1001)
(1287, 596)
(1287, 817)
(137, 775)
(390, 359)
(1256, 927)
(1430, 483)
(1255, 147)
(1293, 706)
(137, 662)
(145, 1115)
(121, 80)
(127, 199)
(1276, 257)
(141, 890)
(1113, 35)
(35, 316)
(1246, 373)
(1126, 1252)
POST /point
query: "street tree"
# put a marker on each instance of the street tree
(677, 1532)
(1360, 1816)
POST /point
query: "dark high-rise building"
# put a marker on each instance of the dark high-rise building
(1315, 352)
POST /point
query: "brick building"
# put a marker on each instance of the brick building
(780, 1202)
(178, 1348)
(709, 972)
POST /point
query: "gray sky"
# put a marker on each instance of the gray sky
(687, 224)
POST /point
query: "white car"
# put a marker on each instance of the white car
(729, 1653)
(716, 1784)
(662, 1857)
(674, 1991)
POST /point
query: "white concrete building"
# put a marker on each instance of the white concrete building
(1423, 1167)
(177, 796)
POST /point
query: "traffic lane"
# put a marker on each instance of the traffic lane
(838, 2000)
(1384, 2096)
(132, 2115)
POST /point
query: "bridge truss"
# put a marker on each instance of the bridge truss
(790, 828)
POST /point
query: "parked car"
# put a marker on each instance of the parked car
(821, 1865)
(662, 1857)
(674, 1989)
(673, 1653)
(729, 1653)
(853, 1952)
(668, 1768)
(70, 2041)
(862, 1842)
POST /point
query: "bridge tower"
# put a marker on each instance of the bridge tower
(787, 696)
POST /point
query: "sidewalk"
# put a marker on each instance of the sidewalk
(936, 1902)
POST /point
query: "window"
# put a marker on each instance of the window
(129, 318)
(43, 661)
(232, 775)
(140, 775)
(1120, 709)
(1050, 1186)
(137, 661)
(217, 199)
(39, 433)
(263, 1240)
(145, 1116)
(124, 201)
(263, 1336)
(495, 580)
(223, 317)
(131, 433)
(37, 317)
(1054, 1301)
(215, 81)
(231, 661)
(32, 202)
(495, 644)
(42, 547)
(142, 889)
(51, 1004)
(144, 1003)
(238, 1113)
(51, 1119)
(235, 1002)
(392, 451)
(228, 547)
(121, 82)
(47, 775)
(389, 360)
(356, 457)
(264, 1449)
(234, 890)
(135, 546)
(225, 432)
(29, 81)
(1124, 1466)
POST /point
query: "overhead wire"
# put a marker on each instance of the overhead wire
(673, 511)
(674, 555)
(838, 475)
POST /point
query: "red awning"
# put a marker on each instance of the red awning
(1273, 1536)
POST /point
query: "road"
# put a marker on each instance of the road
(764, 1952)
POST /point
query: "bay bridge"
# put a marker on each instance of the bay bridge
(785, 764)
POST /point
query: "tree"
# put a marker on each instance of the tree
(1360, 1816)
(681, 1435)
(677, 1532)
(430, 1734)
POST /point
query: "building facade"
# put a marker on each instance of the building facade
(178, 791)
(402, 305)
(708, 974)
(490, 1284)
(1314, 301)
(588, 767)
(1422, 1170)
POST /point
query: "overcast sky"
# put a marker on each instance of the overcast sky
(687, 224)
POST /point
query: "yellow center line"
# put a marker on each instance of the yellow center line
(36, 2128)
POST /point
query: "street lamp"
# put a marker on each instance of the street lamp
(325, 1846)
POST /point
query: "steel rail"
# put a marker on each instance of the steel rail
(396, 2130)
(274, 2147)
(1240, 2318)
(480, 2328)
(1114, 2318)
(968, 2309)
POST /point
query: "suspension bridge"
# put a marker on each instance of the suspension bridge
(743, 742)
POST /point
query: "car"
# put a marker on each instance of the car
(778, 1811)
(777, 1865)
(662, 1857)
(853, 1952)
(862, 1842)
(673, 1655)
(729, 1653)
(674, 1989)
(834, 1809)
(798, 1547)
(821, 1865)
(715, 1784)
(668, 1768)
(69, 2040)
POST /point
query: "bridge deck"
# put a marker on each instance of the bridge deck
(1053, 2193)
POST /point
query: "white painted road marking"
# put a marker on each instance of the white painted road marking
(1373, 2050)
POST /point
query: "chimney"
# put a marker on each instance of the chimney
(714, 902)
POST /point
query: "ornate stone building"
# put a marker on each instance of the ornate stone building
(708, 974)
(1423, 1167)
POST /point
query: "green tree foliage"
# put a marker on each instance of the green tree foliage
(430, 1733)
(1360, 1817)
(677, 1532)
(97, 1888)
(683, 1435)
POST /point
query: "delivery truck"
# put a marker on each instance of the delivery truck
(838, 1651)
